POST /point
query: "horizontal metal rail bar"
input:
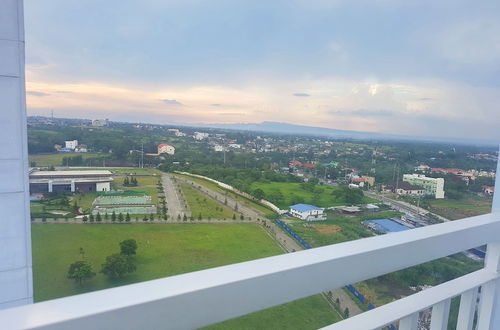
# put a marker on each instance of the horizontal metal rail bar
(399, 309)
(210, 296)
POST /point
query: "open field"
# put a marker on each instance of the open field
(337, 229)
(166, 250)
(215, 187)
(463, 208)
(56, 159)
(309, 313)
(200, 203)
(322, 195)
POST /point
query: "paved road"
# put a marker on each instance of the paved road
(288, 243)
(174, 200)
(404, 206)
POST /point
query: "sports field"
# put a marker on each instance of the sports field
(122, 200)
(166, 250)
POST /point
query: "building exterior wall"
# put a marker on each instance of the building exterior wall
(103, 186)
(311, 215)
(432, 186)
(16, 286)
(71, 144)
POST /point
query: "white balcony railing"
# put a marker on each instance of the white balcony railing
(210, 296)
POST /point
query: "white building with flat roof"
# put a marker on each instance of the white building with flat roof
(70, 181)
(432, 186)
(71, 144)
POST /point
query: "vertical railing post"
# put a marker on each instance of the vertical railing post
(489, 308)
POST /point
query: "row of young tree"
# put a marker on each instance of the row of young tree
(116, 266)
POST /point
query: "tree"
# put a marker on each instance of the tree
(127, 217)
(113, 216)
(151, 217)
(242, 217)
(199, 216)
(98, 217)
(79, 271)
(126, 181)
(91, 217)
(84, 219)
(120, 217)
(259, 193)
(234, 216)
(346, 313)
(184, 218)
(128, 247)
(118, 265)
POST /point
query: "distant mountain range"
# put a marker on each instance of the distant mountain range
(284, 128)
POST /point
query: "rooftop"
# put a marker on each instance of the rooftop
(304, 207)
(71, 173)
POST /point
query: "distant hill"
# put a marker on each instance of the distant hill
(284, 128)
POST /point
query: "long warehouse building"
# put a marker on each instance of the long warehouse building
(70, 181)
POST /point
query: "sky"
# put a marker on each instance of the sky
(413, 67)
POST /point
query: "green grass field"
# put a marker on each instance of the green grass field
(141, 180)
(200, 203)
(308, 313)
(166, 250)
(56, 159)
(210, 185)
(463, 208)
(322, 198)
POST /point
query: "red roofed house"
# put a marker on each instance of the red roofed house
(488, 190)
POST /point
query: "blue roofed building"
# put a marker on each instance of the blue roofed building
(384, 226)
(307, 212)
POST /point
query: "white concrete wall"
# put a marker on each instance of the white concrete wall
(103, 186)
(15, 236)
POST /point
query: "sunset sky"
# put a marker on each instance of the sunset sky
(429, 68)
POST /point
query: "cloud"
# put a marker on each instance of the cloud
(363, 113)
(36, 93)
(174, 103)
(215, 105)
(301, 94)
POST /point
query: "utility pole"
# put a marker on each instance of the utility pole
(142, 155)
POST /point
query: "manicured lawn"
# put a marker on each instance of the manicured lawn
(85, 201)
(56, 159)
(200, 203)
(322, 197)
(463, 208)
(215, 187)
(309, 313)
(164, 250)
(141, 181)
